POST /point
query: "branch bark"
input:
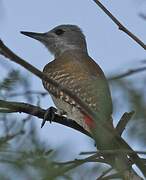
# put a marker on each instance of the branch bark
(13, 107)
(124, 121)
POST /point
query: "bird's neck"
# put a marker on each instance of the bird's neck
(73, 51)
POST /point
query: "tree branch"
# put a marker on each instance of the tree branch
(28, 92)
(123, 121)
(120, 25)
(128, 73)
(111, 152)
(11, 107)
(98, 157)
(118, 175)
(129, 176)
(104, 173)
(82, 161)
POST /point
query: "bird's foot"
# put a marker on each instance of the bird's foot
(49, 114)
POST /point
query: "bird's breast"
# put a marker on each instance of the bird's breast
(72, 112)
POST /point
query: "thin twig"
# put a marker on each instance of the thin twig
(99, 160)
(118, 151)
(119, 24)
(113, 176)
(81, 161)
(98, 155)
(124, 121)
(122, 175)
(41, 93)
(128, 73)
(71, 165)
(104, 173)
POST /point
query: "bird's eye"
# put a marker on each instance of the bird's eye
(59, 32)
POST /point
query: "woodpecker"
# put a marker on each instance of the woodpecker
(75, 70)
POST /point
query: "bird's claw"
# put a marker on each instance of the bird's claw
(49, 114)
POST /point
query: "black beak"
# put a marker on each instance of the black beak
(34, 35)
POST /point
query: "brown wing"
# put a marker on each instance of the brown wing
(80, 74)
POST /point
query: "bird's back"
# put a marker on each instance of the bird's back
(82, 76)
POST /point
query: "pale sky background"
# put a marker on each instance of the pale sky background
(112, 49)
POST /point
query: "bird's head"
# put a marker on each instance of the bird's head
(61, 39)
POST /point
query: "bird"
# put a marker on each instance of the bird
(75, 70)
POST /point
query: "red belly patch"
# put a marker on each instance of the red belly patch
(89, 122)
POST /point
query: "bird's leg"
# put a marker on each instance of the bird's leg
(49, 114)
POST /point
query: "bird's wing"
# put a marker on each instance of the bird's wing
(83, 77)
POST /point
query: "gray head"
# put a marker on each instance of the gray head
(61, 39)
